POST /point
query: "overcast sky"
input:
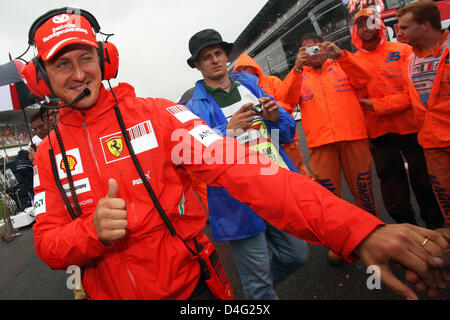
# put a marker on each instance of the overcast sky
(152, 35)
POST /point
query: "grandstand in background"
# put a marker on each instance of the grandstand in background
(272, 38)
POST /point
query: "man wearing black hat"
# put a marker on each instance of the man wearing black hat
(223, 101)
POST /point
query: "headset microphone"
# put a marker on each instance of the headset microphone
(85, 93)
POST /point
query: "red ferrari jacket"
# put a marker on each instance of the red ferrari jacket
(387, 88)
(170, 141)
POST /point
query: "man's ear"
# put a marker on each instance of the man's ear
(426, 26)
(196, 65)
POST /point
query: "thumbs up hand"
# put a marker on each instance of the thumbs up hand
(110, 218)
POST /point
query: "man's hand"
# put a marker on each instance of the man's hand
(270, 109)
(366, 104)
(330, 49)
(402, 244)
(241, 119)
(110, 218)
(300, 61)
(441, 271)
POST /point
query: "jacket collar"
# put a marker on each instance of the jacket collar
(105, 102)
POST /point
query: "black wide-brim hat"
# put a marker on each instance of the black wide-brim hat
(203, 39)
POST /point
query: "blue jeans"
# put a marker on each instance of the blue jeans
(260, 272)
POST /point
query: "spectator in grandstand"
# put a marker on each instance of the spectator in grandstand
(332, 120)
(271, 85)
(429, 88)
(390, 122)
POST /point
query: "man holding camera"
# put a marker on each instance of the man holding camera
(332, 120)
(234, 105)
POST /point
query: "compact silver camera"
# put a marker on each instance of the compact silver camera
(312, 51)
(257, 108)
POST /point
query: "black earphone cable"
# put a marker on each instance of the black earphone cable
(58, 180)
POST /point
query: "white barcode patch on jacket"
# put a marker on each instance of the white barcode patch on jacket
(182, 113)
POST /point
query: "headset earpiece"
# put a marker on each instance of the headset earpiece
(35, 77)
(109, 60)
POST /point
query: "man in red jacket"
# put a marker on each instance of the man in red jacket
(116, 232)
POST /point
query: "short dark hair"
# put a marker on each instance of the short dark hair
(423, 11)
(37, 115)
(312, 36)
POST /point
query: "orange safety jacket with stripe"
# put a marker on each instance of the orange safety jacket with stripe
(387, 87)
(328, 104)
(270, 84)
(433, 119)
(169, 141)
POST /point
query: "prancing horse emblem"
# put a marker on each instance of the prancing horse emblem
(115, 146)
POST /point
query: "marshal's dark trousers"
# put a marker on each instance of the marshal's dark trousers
(389, 153)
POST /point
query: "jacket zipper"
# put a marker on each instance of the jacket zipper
(91, 149)
(122, 257)
(212, 110)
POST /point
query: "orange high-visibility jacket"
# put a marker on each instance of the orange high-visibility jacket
(330, 109)
(149, 262)
(270, 84)
(433, 120)
(387, 88)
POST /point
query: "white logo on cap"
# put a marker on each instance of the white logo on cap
(61, 18)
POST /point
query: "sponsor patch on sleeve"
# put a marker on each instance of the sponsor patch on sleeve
(39, 203)
(205, 135)
(182, 113)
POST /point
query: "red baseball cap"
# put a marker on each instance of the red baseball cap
(60, 31)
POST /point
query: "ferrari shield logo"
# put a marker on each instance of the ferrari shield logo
(115, 146)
